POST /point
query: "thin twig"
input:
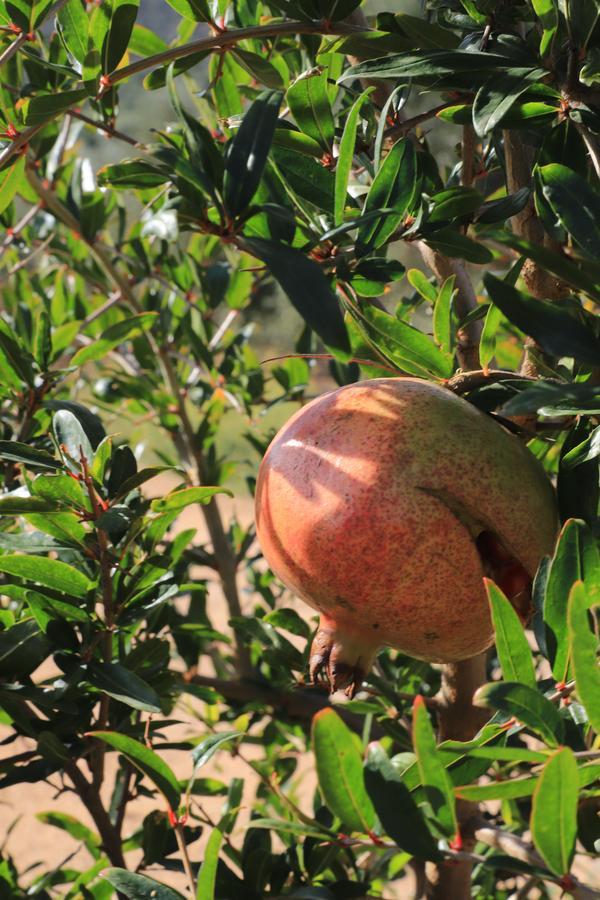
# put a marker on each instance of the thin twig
(108, 129)
(185, 857)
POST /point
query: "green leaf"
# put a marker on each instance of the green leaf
(10, 180)
(73, 25)
(487, 343)
(247, 153)
(583, 452)
(458, 246)
(45, 106)
(196, 10)
(393, 187)
(442, 316)
(141, 477)
(395, 807)
(125, 686)
(29, 456)
(554, 811)
(308, 101)
(527, 705)
(575, 204)
(258, 67)
(511, 644)
(307, 289)
(557, 332)
(207, 876)
(88, 420)
(453, 203)
(547, 13)
(297, 828)
(583, 645)
(407, 347)
(304, 176)
(122, 20)
(22, 648)
(340, 772)
(139, 887)
(145, 42)
(147, 761)
(207, 748)
(557, 263)
(496, 96)
(434, 776)
(419, 281)
(575, 558)
(71, 437)
(73, 827)
(186, 496)
(50, 573)
(445, 68)
(345, 157)
(19, 506)
(113, 336)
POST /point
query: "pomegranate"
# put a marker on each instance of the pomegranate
(383, 505)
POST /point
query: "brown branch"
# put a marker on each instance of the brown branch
(108, 129)
(222, 548)
(463, 382)
(300, 704)
(443, 267)
(515, 846)
(92, 801)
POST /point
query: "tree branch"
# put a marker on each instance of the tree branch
(222, 548)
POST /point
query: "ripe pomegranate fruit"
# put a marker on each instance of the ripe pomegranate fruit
(383, 504)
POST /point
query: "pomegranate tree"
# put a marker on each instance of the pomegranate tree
(383, 505)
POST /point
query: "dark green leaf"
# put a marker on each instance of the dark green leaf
(340, 772)
(575, 204)
(554, 811)
(557, 332)
(46, 106)
(22, 648)
(124, 14)
(125, 686)
(29, 456)
(88, 420)
(494, 98)
(394, 187)
(306, 287)
(395, 807)
(459, 246)
(527, 706)
(247, 154)
(147, 761)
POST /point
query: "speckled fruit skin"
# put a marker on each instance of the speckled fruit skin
(369, 502)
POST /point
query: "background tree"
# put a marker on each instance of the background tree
(374, 169)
